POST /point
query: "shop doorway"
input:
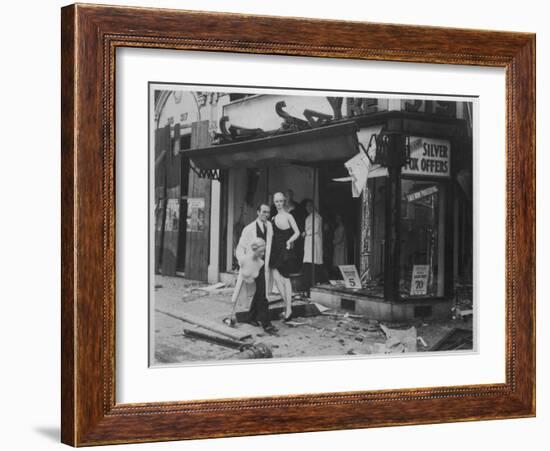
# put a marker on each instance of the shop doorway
(341, 219)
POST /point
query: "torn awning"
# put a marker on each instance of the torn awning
(322, 144)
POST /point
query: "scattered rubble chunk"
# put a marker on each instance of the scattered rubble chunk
(257, 351)
(295, 323)
(210, 288)
(456, 339)
(320, 307)
(398, 341)
(462, 313)
(422, 342)
(345, 316)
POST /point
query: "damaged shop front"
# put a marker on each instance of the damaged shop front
(391, 185)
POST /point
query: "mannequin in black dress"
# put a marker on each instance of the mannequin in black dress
(285, 232)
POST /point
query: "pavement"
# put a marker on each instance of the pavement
(333, 333)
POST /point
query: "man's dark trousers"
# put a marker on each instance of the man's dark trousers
(259, 307)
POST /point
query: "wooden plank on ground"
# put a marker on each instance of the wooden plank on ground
(210, 325)
(213, 337)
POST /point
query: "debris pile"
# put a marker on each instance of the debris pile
(463, 308)
(397, 341)
(222, 335)
(200, 310)
(455, 340)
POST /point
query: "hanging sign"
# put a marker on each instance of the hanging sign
(351, 276)
(419, 282)
(429, 156)
(411, 197)
(358, 169)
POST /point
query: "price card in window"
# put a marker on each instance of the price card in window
(419, 282)
(351, 276)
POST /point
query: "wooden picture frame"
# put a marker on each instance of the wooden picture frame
(90, 36)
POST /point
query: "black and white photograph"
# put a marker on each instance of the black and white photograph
(295, 224)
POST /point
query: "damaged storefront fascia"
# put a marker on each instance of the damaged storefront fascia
(270, 150)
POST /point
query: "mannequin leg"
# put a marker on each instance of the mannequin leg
(288, 297)
(277, 279)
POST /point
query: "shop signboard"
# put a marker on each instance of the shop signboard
(351, 276)
(429, 156)
(419, 282)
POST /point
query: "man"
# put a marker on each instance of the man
(260, 228)
(290, 202)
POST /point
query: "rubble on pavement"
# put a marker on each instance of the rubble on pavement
(318, 331)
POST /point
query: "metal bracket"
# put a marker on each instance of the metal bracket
(392, 149)
(366, 151)
(212, 174)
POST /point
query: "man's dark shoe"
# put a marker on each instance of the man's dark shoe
(270, 329)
